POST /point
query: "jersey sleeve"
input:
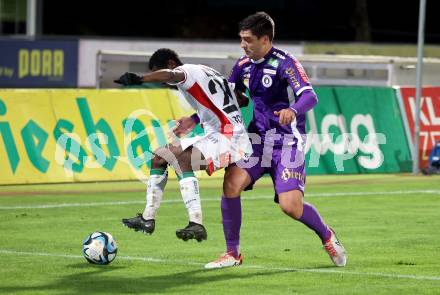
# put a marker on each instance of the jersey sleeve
(188, 71)
(235, 76)
(295, 75)
(305, 102)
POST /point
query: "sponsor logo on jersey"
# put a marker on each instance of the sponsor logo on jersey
(290, 72)
(273, 62)
(301, 71)
(266, 81)
(279, 55)
(212, 138)
(269, 71)
(287, 174)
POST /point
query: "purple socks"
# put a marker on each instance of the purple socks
(313, 220)
(231, 216)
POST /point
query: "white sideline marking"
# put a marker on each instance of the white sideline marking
(259, 267)
(117, 203)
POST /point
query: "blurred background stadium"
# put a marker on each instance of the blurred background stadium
(58, 60)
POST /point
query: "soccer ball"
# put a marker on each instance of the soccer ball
(99, 248)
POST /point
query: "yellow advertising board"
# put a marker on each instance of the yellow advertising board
(83, 135)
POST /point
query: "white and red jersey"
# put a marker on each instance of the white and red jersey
(211, 95)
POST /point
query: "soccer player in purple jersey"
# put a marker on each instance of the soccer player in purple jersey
(282, 95)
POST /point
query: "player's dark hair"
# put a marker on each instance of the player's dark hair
(259, 24)
(160, 58)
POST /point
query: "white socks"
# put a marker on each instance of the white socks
(155, 187)
(189, 187)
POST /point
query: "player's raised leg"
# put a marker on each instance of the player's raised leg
(291, 202)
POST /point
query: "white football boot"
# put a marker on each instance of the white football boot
(335, 250)
(225, 260)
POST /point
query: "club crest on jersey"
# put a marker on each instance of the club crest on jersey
(266, 81)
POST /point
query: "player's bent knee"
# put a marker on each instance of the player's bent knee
(186, 165)
(168, 154)
(291, 203)
(235, 181)
(293, 212)
(231, 188)
(157, 162)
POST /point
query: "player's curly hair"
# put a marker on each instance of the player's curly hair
(160, 58)
(259, 24)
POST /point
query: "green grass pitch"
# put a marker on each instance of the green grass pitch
(389, 225)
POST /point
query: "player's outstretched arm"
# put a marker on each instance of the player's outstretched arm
(162, 76)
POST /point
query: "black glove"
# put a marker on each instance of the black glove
(129, 79)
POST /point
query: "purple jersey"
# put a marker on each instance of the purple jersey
(275, 82)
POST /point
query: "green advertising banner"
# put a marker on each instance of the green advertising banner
(356, 130)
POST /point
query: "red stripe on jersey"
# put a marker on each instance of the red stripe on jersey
(197, 92)
(210, 168)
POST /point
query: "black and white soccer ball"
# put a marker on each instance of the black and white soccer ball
(100, 248)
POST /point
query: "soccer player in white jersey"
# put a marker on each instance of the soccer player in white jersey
(225, 139)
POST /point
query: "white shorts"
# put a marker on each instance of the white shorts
(218, 150)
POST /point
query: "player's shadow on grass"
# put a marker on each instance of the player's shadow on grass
(100, 280)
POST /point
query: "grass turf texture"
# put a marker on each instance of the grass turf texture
(388, 223)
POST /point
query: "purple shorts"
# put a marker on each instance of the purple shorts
(285, 165)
